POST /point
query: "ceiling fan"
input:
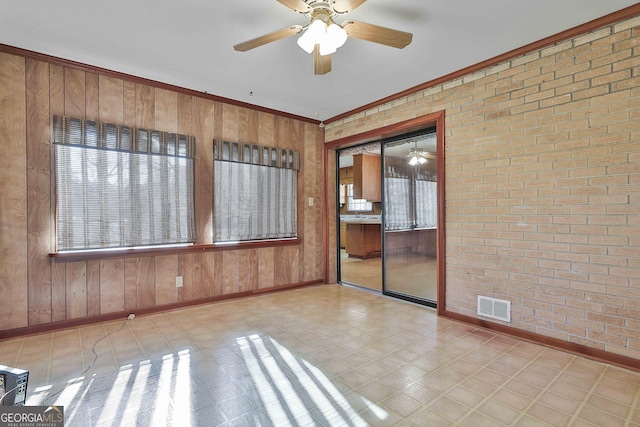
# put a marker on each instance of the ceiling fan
(322, 35)
(418, 156)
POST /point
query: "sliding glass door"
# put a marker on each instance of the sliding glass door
(388, 216)
(359, 211)
(410, 207)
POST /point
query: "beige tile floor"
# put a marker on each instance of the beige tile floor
(324, 355)
(407, 274)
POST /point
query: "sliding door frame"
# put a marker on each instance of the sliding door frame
(383, 232)
(432, 120)
(337, 214)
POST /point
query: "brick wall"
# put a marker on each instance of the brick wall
(543, 186)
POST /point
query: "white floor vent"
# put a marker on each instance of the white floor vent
(494, 308)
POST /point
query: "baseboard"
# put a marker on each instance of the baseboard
(73, 323)
(577, 349)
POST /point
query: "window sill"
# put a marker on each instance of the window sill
(196, 248)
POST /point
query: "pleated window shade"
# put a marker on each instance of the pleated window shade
(118, 186)
(255, 191)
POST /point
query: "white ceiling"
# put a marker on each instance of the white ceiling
(188, 43)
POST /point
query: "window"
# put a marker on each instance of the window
(118, 186)
(255, 190)
(357, 205)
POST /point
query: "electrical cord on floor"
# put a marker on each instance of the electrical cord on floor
(95, 358)
(7, 393)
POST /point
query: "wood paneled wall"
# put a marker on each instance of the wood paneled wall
(13, 199)
(37, 290)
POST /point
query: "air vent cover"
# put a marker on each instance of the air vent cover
(494, 308)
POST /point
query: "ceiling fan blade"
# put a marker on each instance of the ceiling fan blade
(321, 64)
(345, 6)
(377, 34)
(296, 5)
(268, 38)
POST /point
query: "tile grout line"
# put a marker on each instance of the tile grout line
(81, 348)
(135, 336)
(86, 362)
(113, 352)
(485, 366)
(544, 389)
(19, 352)
(471, 374)
(50, 358)
(188, 331)
(632, 408)
(589, 394)
(162, 335)
(435, 370)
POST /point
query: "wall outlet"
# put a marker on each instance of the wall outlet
(178, 281)
(310, 201)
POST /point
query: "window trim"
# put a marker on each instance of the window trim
(170, 250)
(71, 131)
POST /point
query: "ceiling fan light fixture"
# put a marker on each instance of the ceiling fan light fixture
(417, 156)
(336, 35)
(322, 36)
(329, 37)
(313, 35)
(327, 49)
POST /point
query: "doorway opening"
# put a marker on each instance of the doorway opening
(410, 220)
(388, 213)
(360, 216)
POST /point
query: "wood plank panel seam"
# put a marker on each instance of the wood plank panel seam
(86, 287)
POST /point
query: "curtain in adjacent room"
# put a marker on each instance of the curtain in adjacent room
(411, 200)
(426, 204)
(398, 207)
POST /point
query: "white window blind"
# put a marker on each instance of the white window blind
(118, 186)
(255, 192)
